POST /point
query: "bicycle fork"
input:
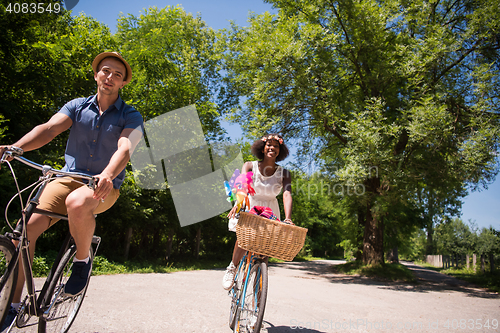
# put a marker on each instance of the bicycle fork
(244, 290)
(30, 282)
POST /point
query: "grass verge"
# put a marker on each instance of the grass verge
(386, 272)
(488, 280)
(103, 266)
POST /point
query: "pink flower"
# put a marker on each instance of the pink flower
(271, 137)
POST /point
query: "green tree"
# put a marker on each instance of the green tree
(438, 205)
(391, 96)
(488, 241)
(175, 63)
(455, 237)
(317, 207)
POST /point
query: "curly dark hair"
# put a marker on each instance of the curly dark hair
(258, 147)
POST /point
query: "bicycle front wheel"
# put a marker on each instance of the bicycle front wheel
(7, 250)
(253, 299)
(60, 310)
(235, 291)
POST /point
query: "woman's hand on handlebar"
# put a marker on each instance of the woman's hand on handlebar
(232, 213)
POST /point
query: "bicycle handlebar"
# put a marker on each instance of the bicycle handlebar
(15, 153)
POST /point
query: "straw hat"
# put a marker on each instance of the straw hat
(117, 55)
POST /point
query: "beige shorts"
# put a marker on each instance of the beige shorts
(53, 198)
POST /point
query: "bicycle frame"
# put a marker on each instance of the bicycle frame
(248, 257)
(19, 235)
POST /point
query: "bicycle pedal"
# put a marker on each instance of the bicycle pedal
(24, 316)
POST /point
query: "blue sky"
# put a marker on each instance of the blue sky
(482, 207)
(216, 14)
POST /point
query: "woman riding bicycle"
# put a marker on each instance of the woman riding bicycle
(269, 179)
(104, 132)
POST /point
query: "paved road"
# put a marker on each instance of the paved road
(303, 297)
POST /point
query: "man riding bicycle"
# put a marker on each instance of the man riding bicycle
(103, 133)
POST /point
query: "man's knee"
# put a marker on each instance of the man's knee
(80, 201)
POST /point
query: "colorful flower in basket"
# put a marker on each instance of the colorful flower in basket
(264, 212)
(229, 192)
(241, 187)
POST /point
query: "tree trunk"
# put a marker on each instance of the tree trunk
(198, 240)
(128, 240)
(373, 241)
(156, 241)
(429, 247)
(361, 220)
(169, 243)
(393, 255)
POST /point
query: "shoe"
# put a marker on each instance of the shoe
(228, 279)
(11, 315)
(78, 279)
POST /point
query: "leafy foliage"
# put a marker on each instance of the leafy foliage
(455, 236)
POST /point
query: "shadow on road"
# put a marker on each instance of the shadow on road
(427, 279)
(270, 328)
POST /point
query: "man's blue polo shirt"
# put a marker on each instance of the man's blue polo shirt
(93, 138)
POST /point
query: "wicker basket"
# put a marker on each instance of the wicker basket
(268, 237)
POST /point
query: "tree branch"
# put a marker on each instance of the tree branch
(354, 58)
(459, 60)
(334, 131)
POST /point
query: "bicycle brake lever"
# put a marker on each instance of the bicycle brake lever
(18, 151)
(93, 183)
(11, 152)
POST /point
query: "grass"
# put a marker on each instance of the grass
(386, 272)
(103, 266)
(298, 258)
(488, 280)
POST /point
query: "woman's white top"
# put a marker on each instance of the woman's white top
(266, 191)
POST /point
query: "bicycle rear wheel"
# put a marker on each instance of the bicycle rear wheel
(235, 291)
(60, 310)
(7, 250)
(253, 299)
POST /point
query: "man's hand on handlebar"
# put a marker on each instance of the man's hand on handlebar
(103, 187)
(7, 153)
